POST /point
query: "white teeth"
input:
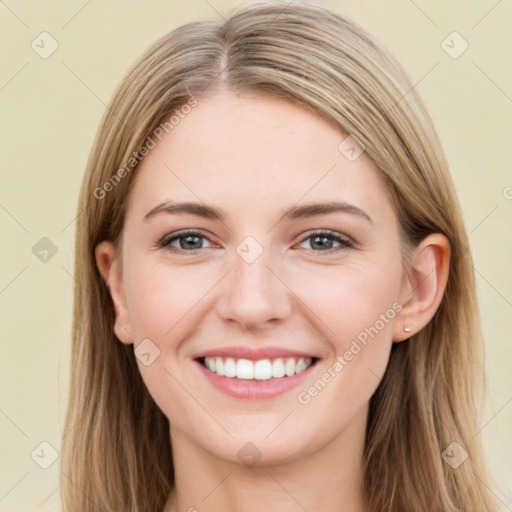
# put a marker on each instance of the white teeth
(301, 365)
(244, 369)
(263, 369)
(289, 367)
(278, 368)
(229, 368)
(219, 366)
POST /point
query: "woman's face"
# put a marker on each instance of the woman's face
(250, 275)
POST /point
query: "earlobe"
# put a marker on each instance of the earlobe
(109, 268)
(424, 289)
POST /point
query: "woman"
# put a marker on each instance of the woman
(276, 307)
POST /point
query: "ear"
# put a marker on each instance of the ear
(109, 267)
(424, 287)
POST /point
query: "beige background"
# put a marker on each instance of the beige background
(50, 109)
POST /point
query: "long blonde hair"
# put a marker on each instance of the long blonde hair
(116, 452)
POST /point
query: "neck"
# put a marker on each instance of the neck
(328, 479)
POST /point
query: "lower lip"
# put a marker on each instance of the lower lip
(254, 389)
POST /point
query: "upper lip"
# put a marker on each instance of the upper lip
(254, 354)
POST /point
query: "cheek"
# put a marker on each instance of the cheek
(164, 302)
(359, 306)
(161, 298)
(351, 300)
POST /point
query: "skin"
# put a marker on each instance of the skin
(253, 157)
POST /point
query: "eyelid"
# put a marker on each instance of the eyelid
(167, 239)
(345, 241)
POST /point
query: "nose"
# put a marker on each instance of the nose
(253, 295)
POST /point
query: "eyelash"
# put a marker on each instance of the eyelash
(345, 242)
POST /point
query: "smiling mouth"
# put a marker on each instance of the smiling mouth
(263, 369)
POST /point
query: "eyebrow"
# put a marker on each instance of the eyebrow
(292, 213)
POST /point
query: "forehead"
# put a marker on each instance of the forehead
(253, 153)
